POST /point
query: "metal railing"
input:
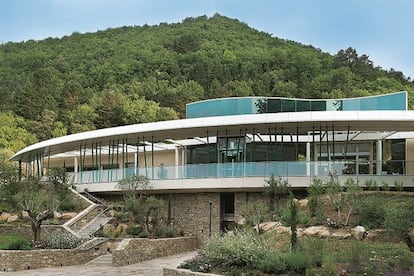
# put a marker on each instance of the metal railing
(248, 169)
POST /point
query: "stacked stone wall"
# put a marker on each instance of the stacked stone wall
(25, 230)
(183, 272)
(130, 251)
(12, 260)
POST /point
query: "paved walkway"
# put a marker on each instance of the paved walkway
(151, 268)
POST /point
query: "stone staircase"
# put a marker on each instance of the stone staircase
(87, 222)
(101, 261)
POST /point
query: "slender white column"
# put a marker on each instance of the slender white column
(308, 152)
(135, 163)
(379, 157)
(176, 161)
(75, 164)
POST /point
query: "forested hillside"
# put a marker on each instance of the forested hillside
(146, 73)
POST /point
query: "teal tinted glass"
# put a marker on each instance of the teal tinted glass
(318, 106)
(274, 105)
(254, 105)
(288, 106)
(303, 105)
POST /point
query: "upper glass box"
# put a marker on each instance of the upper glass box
(257, 105)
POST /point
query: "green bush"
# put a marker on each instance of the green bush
(272, 263)
(313, 248)
(370, 212)
(235, 250)
(399, 186)
(296, 261)
(19, 244)
(61, 240)
(13, 242)
(371, 184)
(143, 234)
(134, 230)
(303, 219)
(67, 205)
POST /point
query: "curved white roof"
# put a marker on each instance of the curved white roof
(230, 125)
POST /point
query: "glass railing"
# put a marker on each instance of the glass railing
(248, 169)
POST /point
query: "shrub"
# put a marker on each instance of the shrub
(399, 186)
(235, 250)
(313, 248)
(143, 234)
(122, 217)
(134, 230)
(61, 240)
(272, 263)
(371, 184)
(296, 261)
(19, 244)
(67, 205)
(370, 212)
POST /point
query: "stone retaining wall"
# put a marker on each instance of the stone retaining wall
(12, 260)
(25, 230)
(130, 251)
(183, 272)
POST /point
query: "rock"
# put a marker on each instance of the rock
(120, 229)
(358, 232)
(68, 215)
(112, 213)
(57, 215)
(282, 229)
(25, 215)
(4, 216)
(302, 203)
(13, 218)
(317, 231)
(269, 226)
(377, 235)
(341, 234)
(108, 229)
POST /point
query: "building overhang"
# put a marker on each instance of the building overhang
(299, 123)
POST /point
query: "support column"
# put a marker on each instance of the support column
(379, 157)
(135, 163)
(308, 153)
(315, 158)
(371, 158)
(176, 161)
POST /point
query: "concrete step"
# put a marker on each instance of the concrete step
(104, 260)
(93, 226)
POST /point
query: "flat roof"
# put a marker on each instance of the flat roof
(291, 122)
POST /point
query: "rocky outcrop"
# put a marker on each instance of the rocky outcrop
(359, 232)
(4, 216)
(317, 231)
(13, 218)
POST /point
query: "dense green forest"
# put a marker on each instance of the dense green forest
(136, 74)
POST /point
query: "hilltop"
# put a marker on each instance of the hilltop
(137, 74)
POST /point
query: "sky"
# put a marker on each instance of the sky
(381, 29)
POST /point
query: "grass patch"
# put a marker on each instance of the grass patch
(13, 242)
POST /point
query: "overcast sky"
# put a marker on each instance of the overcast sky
(382, 29)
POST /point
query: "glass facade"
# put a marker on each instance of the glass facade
(257, 105)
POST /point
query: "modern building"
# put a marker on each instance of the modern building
(221, 154)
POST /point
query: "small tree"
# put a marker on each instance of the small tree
(351, 196)
(40, 199)
(254, 214)
(293, 224)
(276, 189)
(333, 190)
(135, 185)
(315, 190)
